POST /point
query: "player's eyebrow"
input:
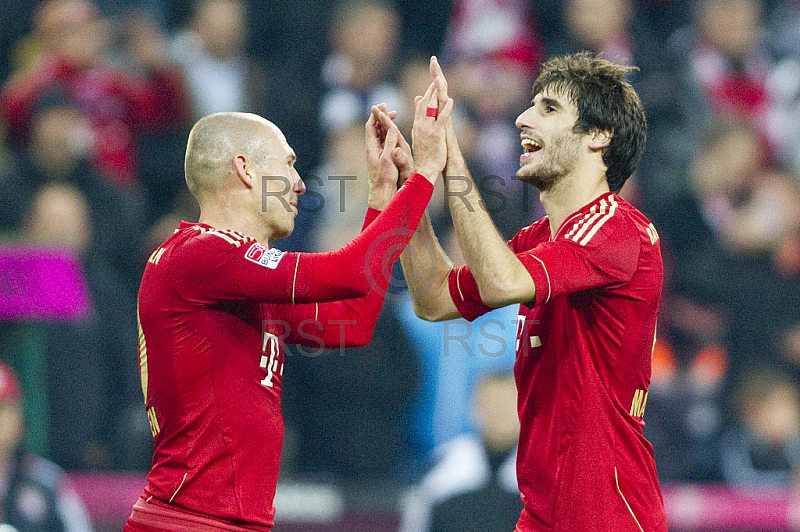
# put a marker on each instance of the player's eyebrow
(550, 102)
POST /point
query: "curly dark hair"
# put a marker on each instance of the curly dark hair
(605, 102)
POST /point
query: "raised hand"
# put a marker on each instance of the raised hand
(381, 140)
(428, 133)
(402, 153)
(454, 157)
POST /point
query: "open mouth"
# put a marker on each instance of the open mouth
(530, 145)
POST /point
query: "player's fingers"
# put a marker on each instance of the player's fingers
(372, 120)
(401, 158)
(392, 114)
(444, 114)
(385, 120)
(423, 102)
(391, 140)
(371, 126)
(402, 143)
(433, 103)
(439, 80)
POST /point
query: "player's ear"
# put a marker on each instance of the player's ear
(242, 168)
(600, 139)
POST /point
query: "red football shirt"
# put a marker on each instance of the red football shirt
(583, 369)
(215, 307)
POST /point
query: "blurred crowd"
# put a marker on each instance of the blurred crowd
(96, 102)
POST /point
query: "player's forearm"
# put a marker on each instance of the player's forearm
(426, 268)
(502, 279)
(353, 270)
(380, 196)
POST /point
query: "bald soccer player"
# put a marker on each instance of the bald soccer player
(217, 303)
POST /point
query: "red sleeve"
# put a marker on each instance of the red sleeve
(211, 268)
(346, 323)
(465, 292)
(567, 265)
(20, 93)
(159, 101)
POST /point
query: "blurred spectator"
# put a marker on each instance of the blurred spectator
(494, 50)
(74, 66)
(763, 447)
(92, 371)
(34, 494)
(16, 18)
(731, 242)
(619, 31)
(358, 71)
(783, 38)
(453, 356)
(352, 404)
(349, 409)
(339, 189)
(220, 75)
(288, 37)
(685, 415)
(58, 152)
(473, 486)
(728, 69)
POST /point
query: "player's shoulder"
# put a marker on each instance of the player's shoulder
(531, 235)
(607, 215)
(224, 238)
(202, 237)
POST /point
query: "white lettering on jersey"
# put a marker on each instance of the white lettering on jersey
(263, 256)
(535, 341)
(269, 358)
(652, 233)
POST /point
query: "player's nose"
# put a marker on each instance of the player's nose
(523, 121)
(299, 186)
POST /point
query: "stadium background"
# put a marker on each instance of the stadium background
(91, 174)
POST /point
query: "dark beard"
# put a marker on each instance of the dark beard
(543, 179)
(557, 164)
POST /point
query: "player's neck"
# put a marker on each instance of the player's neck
(570, 194)
(229, 217)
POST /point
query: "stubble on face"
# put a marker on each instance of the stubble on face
(559, 160)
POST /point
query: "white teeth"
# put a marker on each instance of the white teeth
(530, 144)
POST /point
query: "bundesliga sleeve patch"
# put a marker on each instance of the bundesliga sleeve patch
(263, 256)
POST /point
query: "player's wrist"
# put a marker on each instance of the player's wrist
(429, 172)
(381, 195)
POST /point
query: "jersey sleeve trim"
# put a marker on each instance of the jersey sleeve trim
(294, 278)
(541, 277)
(458, 284)
(465, 294)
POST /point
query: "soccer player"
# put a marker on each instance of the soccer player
(588, 279)
(217, 303)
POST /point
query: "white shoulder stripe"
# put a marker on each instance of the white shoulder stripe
(577, 225)
(597, 225)
(225, 237)
(232, 237)
(598, 211)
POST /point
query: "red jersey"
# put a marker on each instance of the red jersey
(119, 107)
(215, 308)
(583, 369)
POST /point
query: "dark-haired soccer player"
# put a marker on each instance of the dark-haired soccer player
(217, 303)
(588, 277)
